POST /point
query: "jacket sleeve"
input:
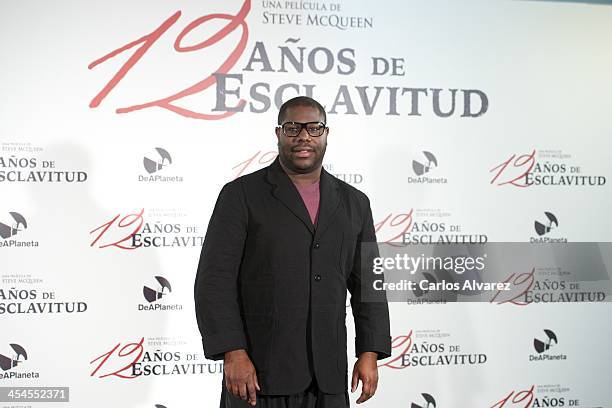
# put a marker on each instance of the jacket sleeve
(369, 306)
(216, 291)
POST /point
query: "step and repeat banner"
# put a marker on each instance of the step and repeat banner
(464, 122)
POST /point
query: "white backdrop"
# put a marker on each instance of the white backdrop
(91, 89)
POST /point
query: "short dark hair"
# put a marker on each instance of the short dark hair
(300, 101)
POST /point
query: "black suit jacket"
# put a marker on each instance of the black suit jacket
(270, 282)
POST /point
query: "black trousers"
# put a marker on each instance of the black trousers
(311, 397)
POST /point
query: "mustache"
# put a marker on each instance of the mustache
(303, 147)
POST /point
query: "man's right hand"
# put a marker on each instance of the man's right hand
(240, 375)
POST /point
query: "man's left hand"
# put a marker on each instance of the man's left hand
(365, 370)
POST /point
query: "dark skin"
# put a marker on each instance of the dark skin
(240, 375)
(301, 157)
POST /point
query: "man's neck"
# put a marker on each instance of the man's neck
(303, 178)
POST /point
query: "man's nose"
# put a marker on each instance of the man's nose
(303, 135)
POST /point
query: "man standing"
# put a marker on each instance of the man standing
(283, 245)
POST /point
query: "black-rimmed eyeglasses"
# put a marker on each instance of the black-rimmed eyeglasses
(292, 129)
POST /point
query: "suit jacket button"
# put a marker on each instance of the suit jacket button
(317, 277)
(317, 245)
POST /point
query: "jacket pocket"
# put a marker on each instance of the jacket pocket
(257, 297)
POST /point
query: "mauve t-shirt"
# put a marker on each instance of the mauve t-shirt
(310, 196)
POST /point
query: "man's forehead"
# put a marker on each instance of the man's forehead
(303, 110)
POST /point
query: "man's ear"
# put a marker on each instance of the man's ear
(277, 131)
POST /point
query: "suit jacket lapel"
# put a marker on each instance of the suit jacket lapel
(287, 193)
(329, 202)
